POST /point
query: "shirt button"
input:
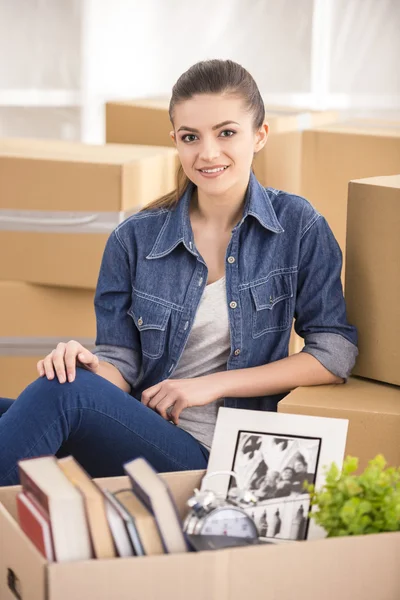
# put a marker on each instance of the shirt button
(231, 259)
(140, 321)
(233, 304)
(237, 352)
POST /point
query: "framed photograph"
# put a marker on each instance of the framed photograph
(273, 454)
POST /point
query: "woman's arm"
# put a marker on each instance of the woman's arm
(275, 378)
(320, 318)
(112, 374)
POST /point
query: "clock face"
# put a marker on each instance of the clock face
(228, 521)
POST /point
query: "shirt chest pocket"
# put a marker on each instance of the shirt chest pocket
(151, 319)
(272, 304)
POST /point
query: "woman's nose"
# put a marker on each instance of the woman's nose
(209, 151)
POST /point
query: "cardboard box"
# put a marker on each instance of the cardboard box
(373, 411)
(334, 155)
(278, 165)
(373, 275)
(141, 121)
(59, 201)
(348, 568)
(33, 319)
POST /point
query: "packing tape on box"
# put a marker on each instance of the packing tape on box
(36, 346)
(42, 221)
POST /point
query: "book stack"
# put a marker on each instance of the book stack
(69, 517)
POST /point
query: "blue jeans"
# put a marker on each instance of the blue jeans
(99, 424)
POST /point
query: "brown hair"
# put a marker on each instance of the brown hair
(211, 77)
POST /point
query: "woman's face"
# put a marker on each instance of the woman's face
(216, 141)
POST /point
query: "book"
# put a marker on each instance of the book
(153, 491)
(35, 524)
(129, 525)
(144, 522)
(102, 540)
(117, 525)
(216, 542)
(62, 502)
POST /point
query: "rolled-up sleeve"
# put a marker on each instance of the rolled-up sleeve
(127, 361)
(320, 311)
(117, 339)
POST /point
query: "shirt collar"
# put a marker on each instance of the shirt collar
(177, 228)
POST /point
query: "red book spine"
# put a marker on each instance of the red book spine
(30, 486)
(35, 524)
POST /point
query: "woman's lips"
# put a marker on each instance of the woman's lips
(213, 172)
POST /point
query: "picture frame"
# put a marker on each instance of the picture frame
(272, 455)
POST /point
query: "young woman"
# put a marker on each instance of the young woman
(194, 304)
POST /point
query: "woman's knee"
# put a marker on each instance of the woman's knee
(52, 399)
(43, 389)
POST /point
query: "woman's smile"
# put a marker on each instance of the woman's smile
(212, 172)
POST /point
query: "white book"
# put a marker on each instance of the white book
(117, 526)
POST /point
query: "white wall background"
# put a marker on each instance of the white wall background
(61, 59)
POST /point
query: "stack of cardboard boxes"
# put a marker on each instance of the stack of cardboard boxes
(336, 154)
(371, 398)
(59, 202)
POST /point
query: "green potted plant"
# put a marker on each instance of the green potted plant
(350, 504)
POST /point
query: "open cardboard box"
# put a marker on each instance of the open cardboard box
(348, 568)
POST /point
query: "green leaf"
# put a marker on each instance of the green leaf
(350, 504)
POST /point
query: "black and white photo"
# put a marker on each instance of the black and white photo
(275, 466)
(274, 456)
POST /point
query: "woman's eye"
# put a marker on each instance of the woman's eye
(189, 137)
(228, 133)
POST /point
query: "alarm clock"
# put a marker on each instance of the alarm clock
(212, 514)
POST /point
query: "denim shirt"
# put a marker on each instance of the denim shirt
(282, 262)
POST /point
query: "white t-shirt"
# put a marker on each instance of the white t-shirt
(207, 351)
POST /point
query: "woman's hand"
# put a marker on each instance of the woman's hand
(171, 396)
(62, 361)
